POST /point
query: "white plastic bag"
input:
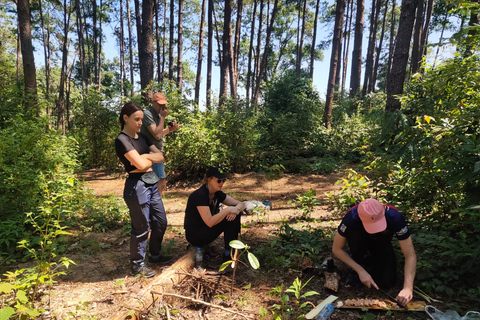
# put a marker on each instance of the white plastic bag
(436, 314)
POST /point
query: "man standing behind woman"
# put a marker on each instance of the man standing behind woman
(154, 128)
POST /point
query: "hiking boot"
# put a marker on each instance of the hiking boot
(142, 270)
(160, 259)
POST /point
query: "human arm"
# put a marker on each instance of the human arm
(154, 156)
(339, 243)
(410, 267)
(158, 131)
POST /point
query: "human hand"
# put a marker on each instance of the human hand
(174, 126)
(404, 296)
(231, 216)
(367, 279)
(163, 112)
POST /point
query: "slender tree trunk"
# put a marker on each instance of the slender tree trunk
(145, 48)
(226, 50)
(200, 54)
(157, 41)
(356, 73)
(122, 51)
(171, 42)
(380, 45)
(396, 77)
(63, 70)
(370, 58)
(440, 40)
(130, 52)
(339, 15)
(257, 57)
(81, 46)
(302, 36)
(339, 58)
(346, 50)
(265, 53)
(46, 54)
(100, 33)
(19, 55)
(250, 51)
(236, 49)
(209, 55)
(392, 41)
(416, 60)
(314, 39)
(164, 37)
(95, 41)
(180, 47)
(29, 71)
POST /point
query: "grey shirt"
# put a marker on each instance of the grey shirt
(150, 116)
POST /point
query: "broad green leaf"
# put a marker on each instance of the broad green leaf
(5, 287)
(225, 265)
(253, 260)
(5, 313)
(22, 296)
(236, 244)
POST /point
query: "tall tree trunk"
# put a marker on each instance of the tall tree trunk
(302, 36)
(337, 38)
(82, 57)
(348, 34)
(396, 77)
(164, 37)
(100, 33)
(122, 52)
(209, 55)
(250, 51)
(46, 54)
(200, 54)
(29, 71)
(236, 49)
(63, 70)
(265, 53)
(180, 46)
(356, 73)
(157, 41)
(19, 55)
(372, 39)
(314, 39)
(130, 50)
(392, 41)
(95, 41)
(417, 49)
(339, 58)
(145, 48)
(226, 50)
(258, 56)
(380, 45)
(170, 41)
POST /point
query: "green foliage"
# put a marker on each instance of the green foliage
(355, 188)
(19, 290)
(95, 127)
(307, 202)
(291, 309)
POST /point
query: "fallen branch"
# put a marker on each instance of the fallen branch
(201, 302)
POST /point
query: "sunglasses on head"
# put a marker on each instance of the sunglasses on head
(221, 180)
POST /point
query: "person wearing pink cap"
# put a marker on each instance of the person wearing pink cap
(368, 228)
(153, 127)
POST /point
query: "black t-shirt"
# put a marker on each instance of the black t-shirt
(200, 198)
(124, 143)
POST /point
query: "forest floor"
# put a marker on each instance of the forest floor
(99, 285)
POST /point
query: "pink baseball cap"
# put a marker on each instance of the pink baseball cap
(372, 214)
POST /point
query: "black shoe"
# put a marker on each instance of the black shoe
(161, 259)
(142, 271)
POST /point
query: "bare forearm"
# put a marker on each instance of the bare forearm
(154, 157)
(410, 269)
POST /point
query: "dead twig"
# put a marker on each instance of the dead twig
(201, 302)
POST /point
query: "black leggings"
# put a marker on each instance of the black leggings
(202, 235)
(375, 253)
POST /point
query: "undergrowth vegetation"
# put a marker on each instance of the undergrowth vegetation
(423, 159)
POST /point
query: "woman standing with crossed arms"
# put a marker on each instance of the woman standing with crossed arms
(141, 195)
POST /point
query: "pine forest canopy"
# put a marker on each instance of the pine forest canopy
(246, 43)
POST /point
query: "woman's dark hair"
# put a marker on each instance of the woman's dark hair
(128, 108)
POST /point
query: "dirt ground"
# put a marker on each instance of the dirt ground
(99, 285)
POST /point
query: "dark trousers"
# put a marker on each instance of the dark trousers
(375, 254)
(200, 236)
(147, 214)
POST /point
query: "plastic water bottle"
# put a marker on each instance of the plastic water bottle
(198, 258)
(325, 313)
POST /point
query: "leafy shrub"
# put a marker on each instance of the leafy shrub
(307, 202)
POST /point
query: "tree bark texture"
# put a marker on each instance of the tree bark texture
(396, 77)
(29, 71)
(356, 73)
(337, 32)
(180, 47)
(200, 54)
(145, 48)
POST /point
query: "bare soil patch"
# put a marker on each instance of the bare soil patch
(99, 285)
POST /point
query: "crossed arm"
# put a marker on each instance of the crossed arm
(144, 162)
(234, 208)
